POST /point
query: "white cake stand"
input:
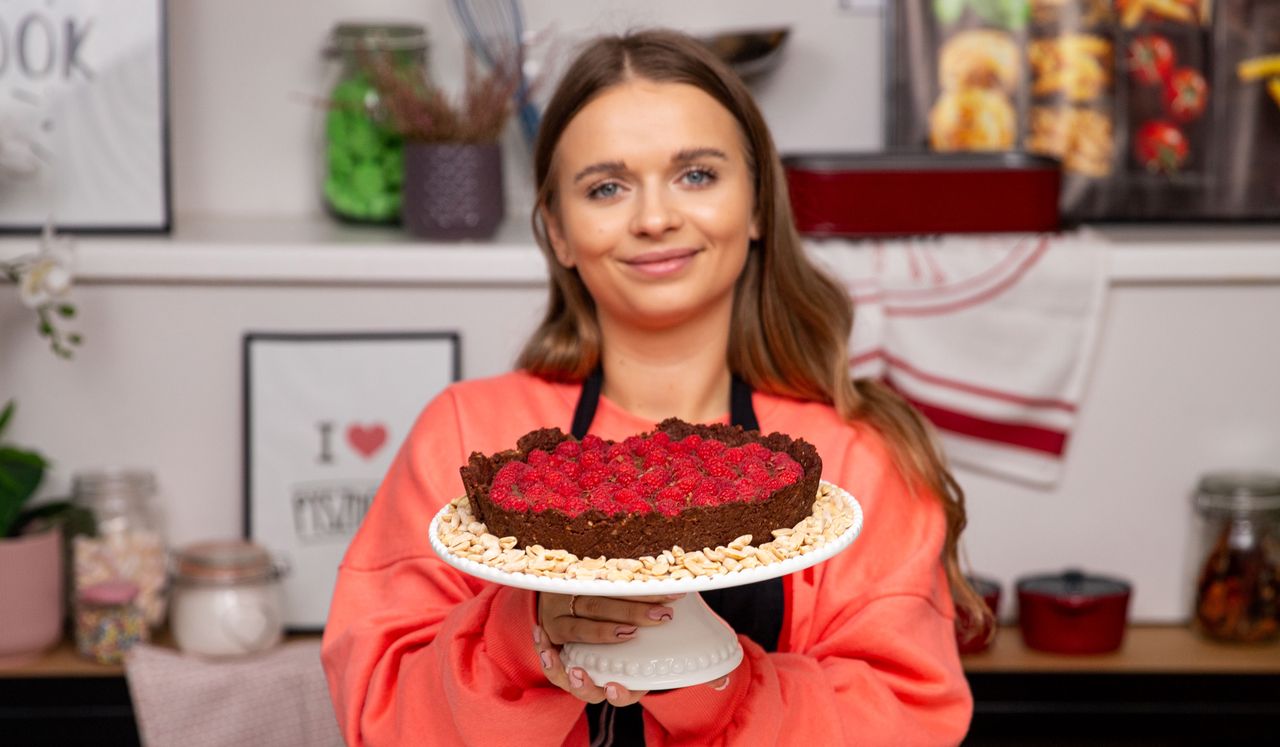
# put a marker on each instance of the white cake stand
(694, 647)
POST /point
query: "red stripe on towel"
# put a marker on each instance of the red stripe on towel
(982, 391)
(1033, 437)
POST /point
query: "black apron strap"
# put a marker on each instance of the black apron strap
(585, 412)
(754, 610)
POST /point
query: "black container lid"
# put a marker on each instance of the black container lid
(1073, 583)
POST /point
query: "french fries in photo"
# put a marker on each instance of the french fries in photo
(1257, 68)
(1078, 66)
(1135, 11)
(1082, 138)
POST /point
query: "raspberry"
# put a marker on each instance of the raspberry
(591, 459)
(654, 479)
(722, 471)
(655, 457)
(670, 508)
(591, 478)
(734, 455)
(568, 449)
(538, 458)
(709, 451)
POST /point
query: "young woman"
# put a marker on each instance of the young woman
(679, 288)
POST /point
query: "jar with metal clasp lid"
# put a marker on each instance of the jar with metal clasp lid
(1237, 556)
(227, 599)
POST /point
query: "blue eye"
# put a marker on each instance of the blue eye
(699, 177)
(604, 191)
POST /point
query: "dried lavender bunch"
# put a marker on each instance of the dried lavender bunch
(420, 111)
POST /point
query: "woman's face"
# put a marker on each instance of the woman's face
(654, 203)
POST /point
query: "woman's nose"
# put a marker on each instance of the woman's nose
(656, 213)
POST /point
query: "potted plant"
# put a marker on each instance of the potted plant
(33, 538)
(452, 158)
(31, 564)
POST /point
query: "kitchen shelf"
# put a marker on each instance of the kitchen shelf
(319, 250)
(1147, 649)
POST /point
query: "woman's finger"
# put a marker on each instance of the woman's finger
(581, 686)
(564, 630)
(625, 611)
(620, 696)
(549, 658)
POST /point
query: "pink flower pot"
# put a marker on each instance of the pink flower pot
(31, 587)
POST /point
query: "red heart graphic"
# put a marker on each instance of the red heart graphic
(366, 440)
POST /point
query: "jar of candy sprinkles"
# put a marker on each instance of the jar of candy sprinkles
(108, 621)
(363, 156)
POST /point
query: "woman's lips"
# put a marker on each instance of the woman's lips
(661, 263)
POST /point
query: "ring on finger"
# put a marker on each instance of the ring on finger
(572, 601)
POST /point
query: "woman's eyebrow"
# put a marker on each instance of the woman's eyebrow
(693, 154)
(683, 156)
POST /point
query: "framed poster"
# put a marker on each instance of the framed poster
(83, 116)
(324, 414)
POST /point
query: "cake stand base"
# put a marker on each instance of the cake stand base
(693, 647)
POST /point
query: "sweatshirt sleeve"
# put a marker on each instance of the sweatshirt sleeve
(869, 654)
(416, 652)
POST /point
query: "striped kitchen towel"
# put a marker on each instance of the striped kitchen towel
(991, 338)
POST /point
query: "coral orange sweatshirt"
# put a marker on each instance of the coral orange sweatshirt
(418, 653)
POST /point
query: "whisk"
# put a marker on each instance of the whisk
(495, 31)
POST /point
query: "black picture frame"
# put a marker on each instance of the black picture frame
(67, 35)
(282, 495)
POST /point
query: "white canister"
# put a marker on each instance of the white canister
(227, 600)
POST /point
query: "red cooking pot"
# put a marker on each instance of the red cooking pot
(1072, 612)
(979, 640)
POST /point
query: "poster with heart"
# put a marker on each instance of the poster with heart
(324, 416)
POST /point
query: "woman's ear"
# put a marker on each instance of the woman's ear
(753, 232)
(563, 254)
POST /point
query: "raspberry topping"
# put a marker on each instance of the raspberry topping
(642, 474)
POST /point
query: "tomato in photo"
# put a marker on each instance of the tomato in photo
(1161, 147)
(1185, 94)
(1150, 59)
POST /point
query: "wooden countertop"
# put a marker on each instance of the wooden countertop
(1147, 649)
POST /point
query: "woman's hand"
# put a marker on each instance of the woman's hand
(582, 619)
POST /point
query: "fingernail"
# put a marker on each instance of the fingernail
(624, 631)
(537, 634)
(673, 597)
(546, 659)
(575, 678)
(611, 691)
(659, 613)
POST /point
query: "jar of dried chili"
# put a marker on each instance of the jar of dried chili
(1237, 592)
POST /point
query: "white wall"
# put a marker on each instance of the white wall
(1184, 381)
(245, 71)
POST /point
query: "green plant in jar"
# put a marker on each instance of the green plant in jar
(363, 153)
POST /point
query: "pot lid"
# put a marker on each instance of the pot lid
(1073, 583)
(1239, 491)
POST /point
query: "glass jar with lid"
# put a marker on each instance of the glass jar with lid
(1237, 557)
(227, 599)
(129, 541)
(363, 156)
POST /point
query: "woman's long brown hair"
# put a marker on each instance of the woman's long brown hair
(791, 322)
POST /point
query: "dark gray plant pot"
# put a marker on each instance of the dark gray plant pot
(452, 190)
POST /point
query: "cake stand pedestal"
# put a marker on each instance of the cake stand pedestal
(694, 647)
